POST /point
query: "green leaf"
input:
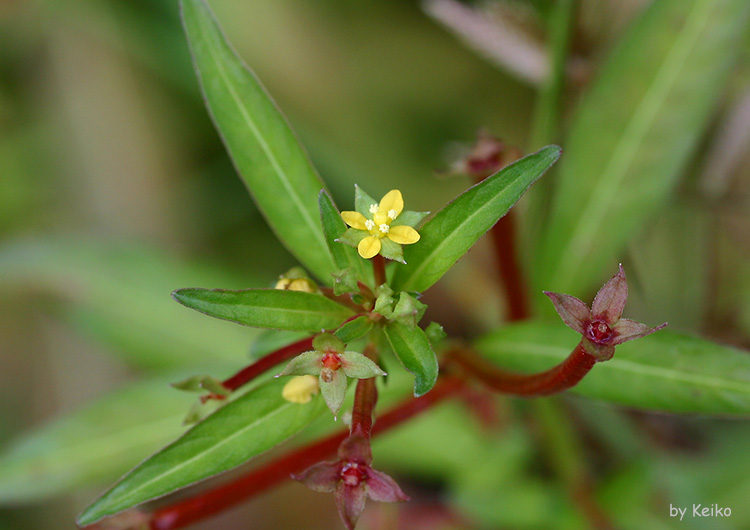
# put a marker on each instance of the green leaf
(634, 133)
(267, 308)
(363, 201)
(666, 371)
(234, 434)
(344, 256)
(453, 230)
(354, 329)
(94, 444)
(265, 151)
(118, 295)
(413, 349)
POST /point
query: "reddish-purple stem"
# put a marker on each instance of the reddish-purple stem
(202, 505)
(264, 364)
(378, 269)
(562, 377)
(365, 398)
(506, 254)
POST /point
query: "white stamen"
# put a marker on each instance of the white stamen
(392, 214)
(369, 224)
(374, 209)
(384, 228)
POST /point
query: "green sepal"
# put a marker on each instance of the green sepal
(328, 343)
(190, 384)
(409, 311)
(435, 333)
(384, 301)
(362, 201)
(333, 390)
(358, 366)
(409, 218)
(295, 273)
(354, 329)
(413, 350)
(215, 386)
(352, 236)
(307, 363)
(201, 383)
(391, 250)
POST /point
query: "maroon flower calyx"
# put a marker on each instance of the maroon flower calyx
(332, 364)
(488, 155)
(352, 479)
(602, 327)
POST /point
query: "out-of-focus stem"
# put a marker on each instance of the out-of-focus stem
(203, 505)
(566, 456)
(562, 377)
(506, 255)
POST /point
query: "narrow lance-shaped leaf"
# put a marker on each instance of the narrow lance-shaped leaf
(344, 256)
(666, 371)
(453, 230)
(634, 133)
(240, 430)
(267, 308)
(263, 147)
(413, 349)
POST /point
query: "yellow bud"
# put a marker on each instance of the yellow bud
(301, 284)
(300, 389)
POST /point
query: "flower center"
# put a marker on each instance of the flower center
(331, 361)
(599, 332)
(353, 474)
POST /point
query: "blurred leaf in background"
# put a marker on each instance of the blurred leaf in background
(115, 190)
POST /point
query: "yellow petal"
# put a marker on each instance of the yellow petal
(300, 389)
(368, 247)
(354, 219)
(392, 201)
(403, 235)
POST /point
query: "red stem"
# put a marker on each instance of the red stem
(562, 377)
(202, 505)
(378, 269)
(506, 253)
(264, 364)
(365, 398)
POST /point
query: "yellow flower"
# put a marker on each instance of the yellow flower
(379, 226)
(300, 389)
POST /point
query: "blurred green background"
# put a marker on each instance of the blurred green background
(115, 190)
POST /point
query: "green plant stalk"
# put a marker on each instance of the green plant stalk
(566, 458)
